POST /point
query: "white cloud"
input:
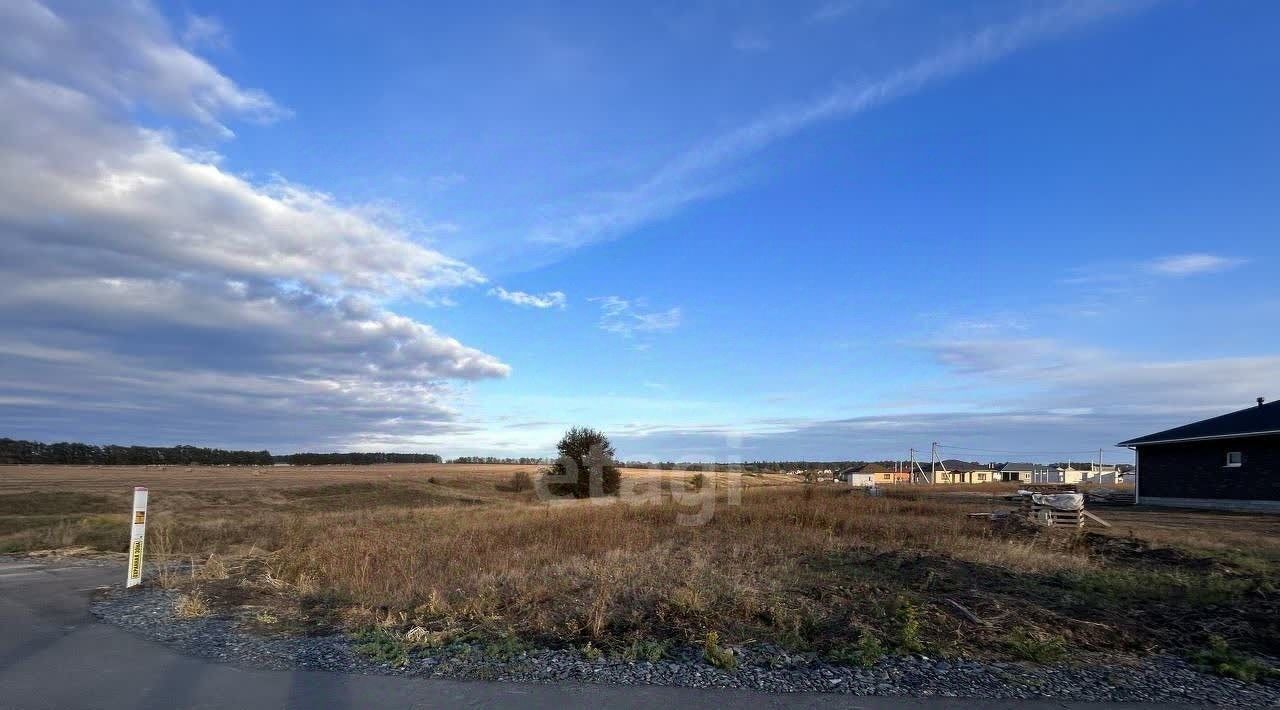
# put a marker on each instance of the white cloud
(1049, 373)
(184, 300)
(123, 55)
(625, 317)
(1191, 264)
(551, 299)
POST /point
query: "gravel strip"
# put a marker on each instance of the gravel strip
(150, 613)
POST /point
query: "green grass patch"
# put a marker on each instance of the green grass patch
(645, 650)
(1218, 657)
(865, 653)
(1127, 586)
(382, 646)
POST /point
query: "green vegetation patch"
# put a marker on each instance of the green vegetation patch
(1218, 657)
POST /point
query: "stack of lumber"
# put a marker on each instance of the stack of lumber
(1111, 496)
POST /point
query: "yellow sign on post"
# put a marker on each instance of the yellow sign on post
(138, 536)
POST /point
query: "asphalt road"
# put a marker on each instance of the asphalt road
(54, 654)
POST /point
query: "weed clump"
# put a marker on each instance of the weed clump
(191, 606)
(1036, 648)
(645, 650)
(717, 655)
(909, 627)
(382, 646)
(865, 653)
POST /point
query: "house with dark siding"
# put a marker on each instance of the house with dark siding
(1229, 462)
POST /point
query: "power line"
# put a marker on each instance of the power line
(1021, 453)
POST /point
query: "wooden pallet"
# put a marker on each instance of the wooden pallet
(1057, 518)
(1052, 516)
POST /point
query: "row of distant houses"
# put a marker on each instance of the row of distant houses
(955, 471)
(1229, 462)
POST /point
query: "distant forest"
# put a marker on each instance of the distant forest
(357, 459)
(523, 460)
(63, 452)
(13, 451)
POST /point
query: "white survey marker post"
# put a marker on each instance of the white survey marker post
(138, 537)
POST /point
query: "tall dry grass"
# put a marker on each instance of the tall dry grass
(591, 571)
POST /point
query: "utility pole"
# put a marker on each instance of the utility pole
(933, 463)
(912, 466)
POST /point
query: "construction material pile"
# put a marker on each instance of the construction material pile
(1057, 509)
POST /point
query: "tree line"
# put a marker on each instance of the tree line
(523, 460)
(13, 451)
(355, 458)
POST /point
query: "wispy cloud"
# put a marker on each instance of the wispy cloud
(705, 170)
(833, 10)
(625, 317)
(205, 32)
(1191, 264)
(551, 299)
(1058, 398)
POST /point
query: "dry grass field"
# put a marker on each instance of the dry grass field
(454, 552)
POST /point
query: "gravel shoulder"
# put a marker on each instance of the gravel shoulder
(150, 612)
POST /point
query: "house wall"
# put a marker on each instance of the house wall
(1049, 476)
(1197, 470)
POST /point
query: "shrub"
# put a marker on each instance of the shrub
(717, 655)
(585, 468)
(698, 481)
(645, 650)
(909, 633)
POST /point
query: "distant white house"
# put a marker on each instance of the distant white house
(1062, 474)
(856, 476)
(1105, 474)
(1019, 472)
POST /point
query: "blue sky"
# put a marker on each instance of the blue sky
(716, 231)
